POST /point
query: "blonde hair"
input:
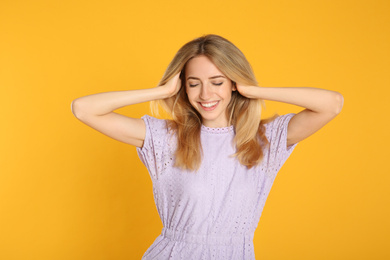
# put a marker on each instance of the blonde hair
(243, 113)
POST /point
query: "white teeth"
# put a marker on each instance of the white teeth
(209, 104)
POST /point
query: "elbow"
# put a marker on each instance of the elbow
(338, 102)
(77, 108)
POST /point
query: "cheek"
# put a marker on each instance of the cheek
(190, 94)
(226, 93)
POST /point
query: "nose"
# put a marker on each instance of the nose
(204, 92)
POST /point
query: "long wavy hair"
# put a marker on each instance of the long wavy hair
(243, 113)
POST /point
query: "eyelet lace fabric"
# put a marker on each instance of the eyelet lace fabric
(220, 130)
(211, 213)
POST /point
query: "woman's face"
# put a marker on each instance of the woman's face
(209, 91)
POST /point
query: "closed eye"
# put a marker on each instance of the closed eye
(193, 85)
(218, 84)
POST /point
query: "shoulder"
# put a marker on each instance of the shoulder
(277, 122)
(155, 126)
(155, 123)
(277, 126)
(153, 120)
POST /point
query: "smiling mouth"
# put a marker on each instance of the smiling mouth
(209, 105)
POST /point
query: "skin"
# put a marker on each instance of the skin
(207, 85)
(321, 106)
(97, 110)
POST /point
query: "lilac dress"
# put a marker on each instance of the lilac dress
(213, 213)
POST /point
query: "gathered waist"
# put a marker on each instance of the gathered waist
(208, 239)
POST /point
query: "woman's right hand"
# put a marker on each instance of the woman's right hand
(173, 85)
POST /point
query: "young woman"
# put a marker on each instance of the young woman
(213, 163)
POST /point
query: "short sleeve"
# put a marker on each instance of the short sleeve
(153, 152)
(276, 132)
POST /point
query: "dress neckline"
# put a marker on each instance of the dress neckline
(217, 130)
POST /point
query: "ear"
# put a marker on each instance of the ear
(234, 86)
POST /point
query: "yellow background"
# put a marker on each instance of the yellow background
(69, 192)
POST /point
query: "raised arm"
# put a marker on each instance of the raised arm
(321, 107)
(96, 111)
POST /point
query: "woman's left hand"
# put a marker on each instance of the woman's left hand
(246, 91)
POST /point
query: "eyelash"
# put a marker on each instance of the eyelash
(215, 84)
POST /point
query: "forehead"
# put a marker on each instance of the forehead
(201, 67)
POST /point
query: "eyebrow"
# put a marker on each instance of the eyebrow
(213, 77)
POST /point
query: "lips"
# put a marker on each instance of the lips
(209, 105)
